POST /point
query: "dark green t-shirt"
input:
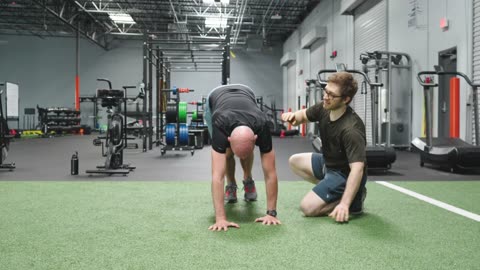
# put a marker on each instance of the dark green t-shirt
(343, 140)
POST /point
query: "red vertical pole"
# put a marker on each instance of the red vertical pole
(454, 107)
(289, 125)
(77, 92)
(304, 125)
(77, 68)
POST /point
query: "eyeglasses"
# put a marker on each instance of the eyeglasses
(330, 95)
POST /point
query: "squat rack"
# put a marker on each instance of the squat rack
(176, 51)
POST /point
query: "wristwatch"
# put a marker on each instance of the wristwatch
(272, 213)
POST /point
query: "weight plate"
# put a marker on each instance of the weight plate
(194, 115)
(170, 134)
(170, 115)
(182, 112)
(183, 138)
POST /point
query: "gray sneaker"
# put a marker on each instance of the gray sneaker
(231, 193)
(357, 208)
(250, 190)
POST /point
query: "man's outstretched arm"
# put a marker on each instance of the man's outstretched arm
(271, 183)
(218, 175)
(295, 118)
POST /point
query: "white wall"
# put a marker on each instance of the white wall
(339, 38)
(422, 42)
(259, 70)
(425, 41)
(45, 71)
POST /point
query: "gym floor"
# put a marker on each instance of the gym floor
(158, 215)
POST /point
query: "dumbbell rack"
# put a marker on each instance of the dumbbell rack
(176, 129)
(58, 119)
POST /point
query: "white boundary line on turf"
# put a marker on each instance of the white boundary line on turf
(429, 200)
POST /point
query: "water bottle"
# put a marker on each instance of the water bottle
(74, 164)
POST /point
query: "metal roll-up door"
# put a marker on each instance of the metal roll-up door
(476, 55)
(370, 34)
(291, 86)
(317, 58)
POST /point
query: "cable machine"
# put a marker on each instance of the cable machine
(393, 112)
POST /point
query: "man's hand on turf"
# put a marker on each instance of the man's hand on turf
(340, 213)
(268, 220)
(223, 225)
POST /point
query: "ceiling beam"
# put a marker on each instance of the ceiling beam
(103, 45)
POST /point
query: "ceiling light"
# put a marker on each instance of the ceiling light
(220, 22)
(123, 18)
(276, 17)
(223, 2)
(211, 45)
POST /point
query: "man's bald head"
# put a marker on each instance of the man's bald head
(242, 141)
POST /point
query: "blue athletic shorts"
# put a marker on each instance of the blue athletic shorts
(332, 182)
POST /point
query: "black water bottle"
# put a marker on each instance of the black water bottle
(74, 164)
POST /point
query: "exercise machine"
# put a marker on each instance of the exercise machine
(394, 98)
(313, 94)
(379, 157)
(453, 154)
(116, 135)
(5, 138)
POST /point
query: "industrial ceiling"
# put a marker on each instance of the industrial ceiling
(268, 22)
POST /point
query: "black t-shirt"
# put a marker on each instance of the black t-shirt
(236, 106)
(343, 140)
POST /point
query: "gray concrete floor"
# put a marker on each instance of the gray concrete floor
(49, 159)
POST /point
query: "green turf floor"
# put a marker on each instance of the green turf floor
(163, 225)
(462, 194)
